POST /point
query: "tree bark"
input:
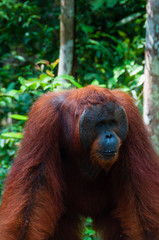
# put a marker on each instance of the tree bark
(151, 85)
(66, 37)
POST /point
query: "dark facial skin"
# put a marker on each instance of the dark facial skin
(102, 129)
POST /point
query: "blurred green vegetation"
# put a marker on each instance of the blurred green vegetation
(109, 41)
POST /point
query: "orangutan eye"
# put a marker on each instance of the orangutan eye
(101, 124)
(112, 123)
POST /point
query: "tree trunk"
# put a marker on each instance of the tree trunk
(151, 85)
(66, 37)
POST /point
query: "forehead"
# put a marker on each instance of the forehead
(107, 111)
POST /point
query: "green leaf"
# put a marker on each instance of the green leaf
(97, 4)
(141, 80)
(65, 76)
(32, 83)
(118, 71)
(12, 135)
(113, 38)
(54, 64)
(60, 83)
(46, 62)
(129, 19)
(87, 29)
(22, 89)
(45, 78)
(136, 69)
(111, 3)
(69, 78)
(20, 58)
(22, 80)
(95, 82)
(19, 117)
(75, 83)
(12, 92)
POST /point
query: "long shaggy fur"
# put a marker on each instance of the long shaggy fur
(46, 191)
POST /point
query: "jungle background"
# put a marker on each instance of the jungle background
(109, 51)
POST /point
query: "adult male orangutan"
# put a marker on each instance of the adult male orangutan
(85, 152)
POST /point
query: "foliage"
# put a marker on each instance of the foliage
(109, 41)
(87, 232)
(110, 44)
(27, 35)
